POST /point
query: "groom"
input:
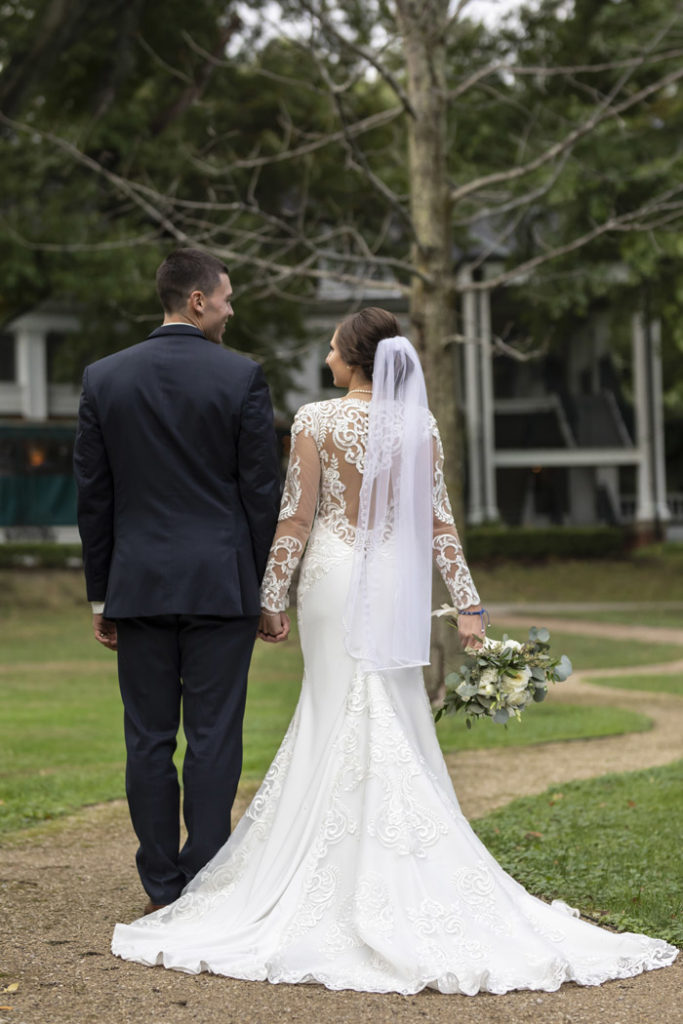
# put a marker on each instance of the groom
(178, 494)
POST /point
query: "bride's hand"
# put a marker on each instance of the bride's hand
(472, 628)
(273, 627)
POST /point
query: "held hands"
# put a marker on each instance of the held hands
(273, 627)
(105, 631)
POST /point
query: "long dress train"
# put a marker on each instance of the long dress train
(353, 865)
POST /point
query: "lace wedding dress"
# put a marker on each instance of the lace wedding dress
(354, 866)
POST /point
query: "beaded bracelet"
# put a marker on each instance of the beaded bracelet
(482, 612)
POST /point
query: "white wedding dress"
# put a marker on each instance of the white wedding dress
(353, 865)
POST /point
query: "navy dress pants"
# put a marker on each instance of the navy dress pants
(199, 662)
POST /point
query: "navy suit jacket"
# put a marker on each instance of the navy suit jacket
(178, 479)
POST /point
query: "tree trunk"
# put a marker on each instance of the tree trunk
(423, 26)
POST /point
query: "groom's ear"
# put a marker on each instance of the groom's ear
(196, 301)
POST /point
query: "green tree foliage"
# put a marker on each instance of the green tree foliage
(625, 171)
(135, 126)
(96, 95)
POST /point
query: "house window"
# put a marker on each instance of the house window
(8, 368)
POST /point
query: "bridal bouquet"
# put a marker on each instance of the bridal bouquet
(500, 678)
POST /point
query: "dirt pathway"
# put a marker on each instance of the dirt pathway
(62, 889)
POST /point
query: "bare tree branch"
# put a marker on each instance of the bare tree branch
(569, 70)
(367, 124)
(632, 220)
(195, 89)
(172, 71)
(361, 51)
(508, 205)
(149, 238)
(360, 162)
(604, 113)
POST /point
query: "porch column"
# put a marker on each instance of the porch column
(490, 502)
(663, 513)
(651, 507)
(475, 503)
(32, 373)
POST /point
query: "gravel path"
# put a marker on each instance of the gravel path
(63, 887)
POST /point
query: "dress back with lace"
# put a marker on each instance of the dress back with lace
(323, 485)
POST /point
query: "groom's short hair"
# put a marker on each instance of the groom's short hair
(185, 271)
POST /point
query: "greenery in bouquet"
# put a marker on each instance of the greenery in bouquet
(502, 677)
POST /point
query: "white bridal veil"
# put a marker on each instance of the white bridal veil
(387, 616)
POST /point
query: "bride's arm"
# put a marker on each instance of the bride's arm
(449, 555)
(297, 511)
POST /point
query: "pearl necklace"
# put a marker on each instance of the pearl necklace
(362, 391)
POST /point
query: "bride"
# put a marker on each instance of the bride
(353, 865)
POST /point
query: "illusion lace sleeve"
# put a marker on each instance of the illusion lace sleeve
(297, 511)
(448, 553)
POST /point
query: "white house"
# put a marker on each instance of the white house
(542, 447)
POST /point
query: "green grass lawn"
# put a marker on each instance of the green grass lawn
(668, 618)
(61, 734)
(588, 652)
(610, 846)
(643, 577)
(660, 683)
(541, 723)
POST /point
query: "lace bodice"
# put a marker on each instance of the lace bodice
(323, 484)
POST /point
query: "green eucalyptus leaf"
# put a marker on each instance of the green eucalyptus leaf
(564, 669)
(467, 690)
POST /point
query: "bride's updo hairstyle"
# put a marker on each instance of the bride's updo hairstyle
(359, 335)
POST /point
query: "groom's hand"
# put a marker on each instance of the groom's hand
(105, 631)
(273, 627)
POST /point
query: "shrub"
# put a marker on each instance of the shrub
(485, 543)
(40, 555)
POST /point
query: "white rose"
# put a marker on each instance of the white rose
(490, 644)
(514, 686)
(513, 645)
(487, 682)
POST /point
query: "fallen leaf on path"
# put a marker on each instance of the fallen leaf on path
(10, 988)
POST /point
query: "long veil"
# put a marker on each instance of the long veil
(387, 614)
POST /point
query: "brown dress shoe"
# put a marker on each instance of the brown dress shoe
(151, 907)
